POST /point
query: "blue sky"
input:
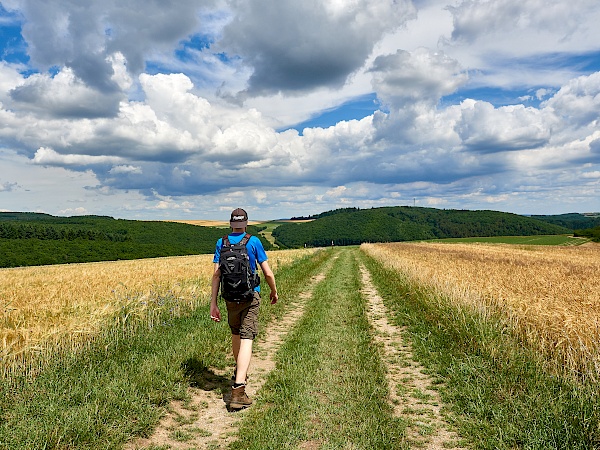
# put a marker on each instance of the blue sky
(355, 109)
(12, 44)
(135, 110)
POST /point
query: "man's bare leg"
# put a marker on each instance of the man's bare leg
(235, 346)
(242, 352)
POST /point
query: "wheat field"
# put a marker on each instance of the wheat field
(549, 294)
(69, 303)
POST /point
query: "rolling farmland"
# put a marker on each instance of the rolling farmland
(505, 334)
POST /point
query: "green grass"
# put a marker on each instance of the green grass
(120, 386)
(498, 391)
(329, 387)
(271, 225)
(99, 398)
(522, 240)
(267, 233)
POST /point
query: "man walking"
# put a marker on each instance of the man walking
(242, 313)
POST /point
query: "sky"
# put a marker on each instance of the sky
(187, 109)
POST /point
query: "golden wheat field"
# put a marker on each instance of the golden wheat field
(211, 223)
(550, 294)
(46, 304)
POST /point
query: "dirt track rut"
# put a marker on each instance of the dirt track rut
(410, 389)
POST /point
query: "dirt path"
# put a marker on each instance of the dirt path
(411, 393)
(203, 422)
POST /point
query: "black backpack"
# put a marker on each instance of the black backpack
(237, 279)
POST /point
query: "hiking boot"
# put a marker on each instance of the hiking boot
(239, 399)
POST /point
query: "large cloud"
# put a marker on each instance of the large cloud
(410, 85)
(476, 19)
(294, 47)
(578, 102)
(484, 128)
(63, 96)
(84, 35)
(421, 76)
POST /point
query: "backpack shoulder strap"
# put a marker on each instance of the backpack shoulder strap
(245, 239)
(226, 241)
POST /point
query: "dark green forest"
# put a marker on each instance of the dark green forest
(351, 226)
(583, 225)
(28, 239)
(591, 233)
(573, 221)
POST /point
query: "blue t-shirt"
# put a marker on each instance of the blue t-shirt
(256, 251)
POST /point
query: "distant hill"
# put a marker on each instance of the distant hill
(352, 226)
(572, 221)
(28, 239)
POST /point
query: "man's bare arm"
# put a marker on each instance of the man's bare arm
(270, 279)
(215, 312)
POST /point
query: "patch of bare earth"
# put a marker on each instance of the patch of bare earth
(204, 421)
(411, 391)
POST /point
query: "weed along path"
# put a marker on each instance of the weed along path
(410, 390)
(202, 421)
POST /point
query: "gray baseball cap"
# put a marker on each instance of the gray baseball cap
(239, 218)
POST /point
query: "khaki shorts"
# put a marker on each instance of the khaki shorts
(243, 317)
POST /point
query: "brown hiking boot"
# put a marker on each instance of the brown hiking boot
(239, 399)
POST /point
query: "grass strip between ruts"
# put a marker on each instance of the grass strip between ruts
(117, 388)
(329, 388)
(500, 395)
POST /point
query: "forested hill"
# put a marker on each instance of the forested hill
(404, 223)
(573, 221)
(28, 239)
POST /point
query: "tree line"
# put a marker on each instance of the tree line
(35, 231)
(34, 239)
(591, 233)
(583, 225)
(572, 221)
